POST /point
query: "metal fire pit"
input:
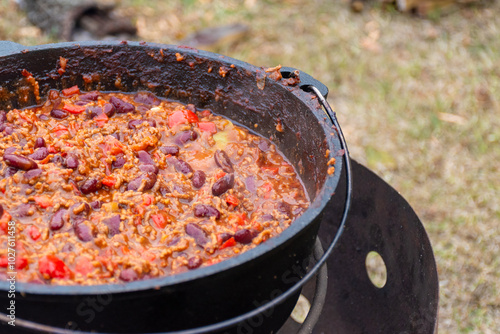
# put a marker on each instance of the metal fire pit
(380, 220)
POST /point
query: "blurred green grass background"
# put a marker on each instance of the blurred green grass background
(418, 100)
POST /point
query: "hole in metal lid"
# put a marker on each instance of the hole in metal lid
(376, 269)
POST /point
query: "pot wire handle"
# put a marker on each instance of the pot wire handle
(321, 261)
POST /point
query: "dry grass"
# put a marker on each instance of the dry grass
(419, 101)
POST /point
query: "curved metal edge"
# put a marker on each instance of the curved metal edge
(223, 325)
(8, 47)
(305, 79)
(202, 272)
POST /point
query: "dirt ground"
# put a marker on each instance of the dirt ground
(418, 99)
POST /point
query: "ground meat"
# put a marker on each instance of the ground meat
(111, 187)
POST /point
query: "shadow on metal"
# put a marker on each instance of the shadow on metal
(380, 220)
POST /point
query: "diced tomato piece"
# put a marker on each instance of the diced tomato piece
(21, 262)
(109, 181)
(50, 266)
(183, 116)
(238, 218)
(147, 199)
(160, 219)
(271, 169)
(125, 249)
(207, 127)
(267, 187)
(137, 220)
(52, 149)
(112, 145)
(4, 261)
(83, 265)
(34, 232)
(74, 109)
(4, 220)
(59, 130)
(232, 200)
(71, 91)
(101, 119)
(43, 201)
(229, 243)
(219, 174)
(149, 256)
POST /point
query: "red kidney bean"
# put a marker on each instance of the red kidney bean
(119, 161)
(7, 129)
(23, 210)
(57, 159)
(182, 166)
(93, 111)
(223, 184)
(10, 171)
(81, 211)
(263, 145)
(145, 158)
(121, 106)
(136, 122)
(198, 179)
(186, 136)
(285, 208)
(204, 210)
(128, 275)
(90, 96)
(250, 184)
(147, 98)
(225, 236)
(90, 185)
(222, 160)
(171, 149)
(83, 231)
(68, 248)
(174, 241)
(266, 217)
(164, 191)
(1, 210)
(58, 113)
(194, 262)
(19, 161)
(148, 169)
(149, 179)
(32, 174)
(71, 161)
(9, 150)
(113, 224)
(39, 154)
(81, 103)
(108, 109)
(39, 142)
(95, 204)
(58, 220)
(244, 236)
(199, 235)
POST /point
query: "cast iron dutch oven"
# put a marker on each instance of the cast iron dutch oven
(244, 93)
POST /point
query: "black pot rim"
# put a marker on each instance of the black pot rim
(315, 209)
